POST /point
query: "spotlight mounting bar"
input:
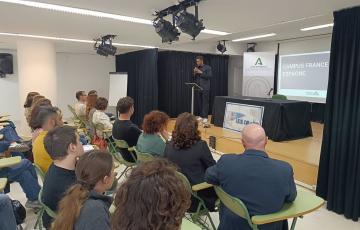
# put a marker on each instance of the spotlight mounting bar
(174, 9)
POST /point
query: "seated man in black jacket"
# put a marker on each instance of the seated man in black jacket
(123, 128)
(64, 147)
(262, 183)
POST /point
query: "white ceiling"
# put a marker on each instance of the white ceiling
(240, 18)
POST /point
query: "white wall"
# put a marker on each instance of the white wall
(74, 72)
(9, 92)
(301, 45)
(81, 72)
(207, 47)
(37, 70)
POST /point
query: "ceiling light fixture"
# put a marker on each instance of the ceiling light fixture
(221, 47)
(93, 13)
(72, 40)
(166, 30)
(189, 23)
(104, 46)
(317, 27)
(254, 37)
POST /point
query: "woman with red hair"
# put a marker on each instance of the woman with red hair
(153, 139)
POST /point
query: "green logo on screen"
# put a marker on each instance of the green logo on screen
(258, 62)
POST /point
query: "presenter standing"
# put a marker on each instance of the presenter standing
(203, 74)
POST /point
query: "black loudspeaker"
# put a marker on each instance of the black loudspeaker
(6, 64)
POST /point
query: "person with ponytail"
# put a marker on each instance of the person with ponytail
(84, 207)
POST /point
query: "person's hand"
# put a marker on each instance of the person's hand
(197, 71)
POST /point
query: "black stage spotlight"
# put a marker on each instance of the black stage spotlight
(104, 47)
(221, 47)
(251, 47)
(189, 24)
(167, 31)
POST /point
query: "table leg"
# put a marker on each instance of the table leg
(293, 223)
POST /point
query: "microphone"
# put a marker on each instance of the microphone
(272, 89)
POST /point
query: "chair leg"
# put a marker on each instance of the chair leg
(37, 221)
(211, 221)
(123, 172)
(293, 223)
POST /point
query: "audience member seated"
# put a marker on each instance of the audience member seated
(192, 155)
(262, 183)
(34, 100)
(152, 197)
(84, 206)
(80, 105)
(153, 139)
(11, 137)
(27, 105)
(64, 147)
(25, 174)
(7, 213)
(44, 118)
(123, 128)
(34, 107)
(38, 101)
(90, 104)
(99, 116)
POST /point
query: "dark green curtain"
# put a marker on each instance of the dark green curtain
(339, 169)
(175, 68)
(141, 67)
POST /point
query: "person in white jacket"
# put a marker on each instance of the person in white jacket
(99, 116)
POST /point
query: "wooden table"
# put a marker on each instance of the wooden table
(304, 203)
(9, 162)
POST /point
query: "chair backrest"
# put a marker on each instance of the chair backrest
(279, 96)
(185, 180)
(72, 110)
(39, 172)
(234, 204)
(45, 208)
(82, 119)
(143, 157)
(124, 148)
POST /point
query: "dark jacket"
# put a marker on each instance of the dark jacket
(94, 214)
(203, 80)
(193, 162)
(263, 184)
(57, 181)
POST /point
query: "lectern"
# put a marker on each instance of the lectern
(194, 87)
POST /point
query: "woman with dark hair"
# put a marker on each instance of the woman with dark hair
(154, 193)
(84, 206)
(153, 139)
(192, 155)
(37, 102)
(28, 110)
(28, 102)
(90, 104)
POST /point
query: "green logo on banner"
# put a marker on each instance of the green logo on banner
(258, 62)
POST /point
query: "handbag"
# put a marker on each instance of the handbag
(99, 142)
(19, 212)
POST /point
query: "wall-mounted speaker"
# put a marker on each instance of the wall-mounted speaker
(6, 64)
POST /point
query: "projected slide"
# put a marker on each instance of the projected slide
(304, 76)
